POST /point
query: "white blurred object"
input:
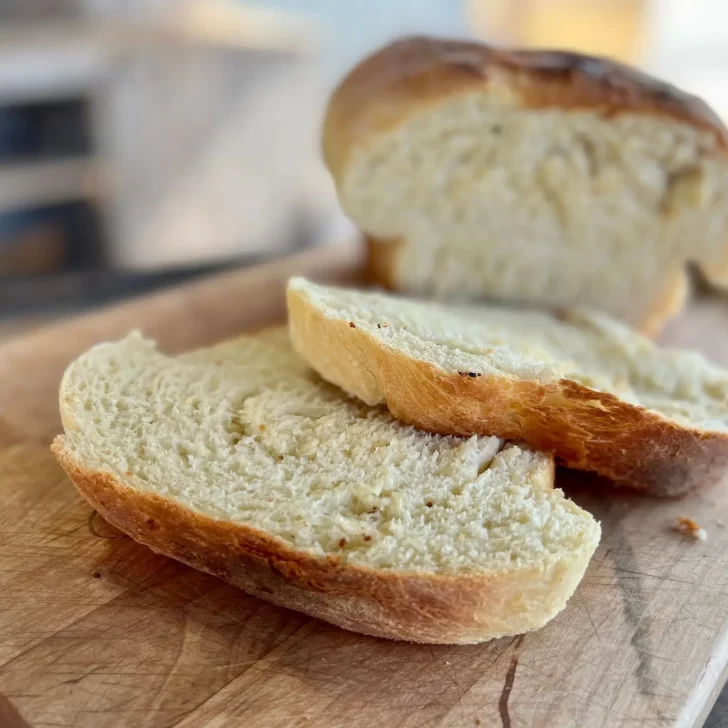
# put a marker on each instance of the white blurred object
(358, 27)
(204, 116)
(205, 113)
(687, 44)
(210, 154)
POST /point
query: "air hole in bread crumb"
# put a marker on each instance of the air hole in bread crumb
(342, 543)
(429, 504)
(484, 466)
(367, 538)
(237, 429)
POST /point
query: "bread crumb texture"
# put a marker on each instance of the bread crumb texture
(548, 209)
(246, 433)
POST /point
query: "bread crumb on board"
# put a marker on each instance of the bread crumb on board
(689, 527)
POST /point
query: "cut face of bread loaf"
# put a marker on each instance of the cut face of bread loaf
(539, 177)
(583, 386)
(241, 461)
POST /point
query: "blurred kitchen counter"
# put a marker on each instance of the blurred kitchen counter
(202, 128)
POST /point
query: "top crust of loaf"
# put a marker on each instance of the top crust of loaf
(417, 71)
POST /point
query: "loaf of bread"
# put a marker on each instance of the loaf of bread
(240, 461)
(542, 177)
(582, 386)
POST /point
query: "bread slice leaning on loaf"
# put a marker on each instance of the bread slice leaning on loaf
(542, 177)
(583, 386)
(240, 461)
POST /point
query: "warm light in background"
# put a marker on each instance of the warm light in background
(601, 27)
(680, 41)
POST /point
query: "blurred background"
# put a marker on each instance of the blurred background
(143, 142)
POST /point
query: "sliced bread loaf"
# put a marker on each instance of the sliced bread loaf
(241, 461)
(582, 386)
(541, 177)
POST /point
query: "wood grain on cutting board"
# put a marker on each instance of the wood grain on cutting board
(96, 630)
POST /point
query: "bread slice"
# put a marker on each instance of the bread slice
(241, 461)
(582, 386)
(543, 177)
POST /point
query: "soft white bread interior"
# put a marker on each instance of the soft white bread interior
(241, 461)
(583, 386)
(539, 177)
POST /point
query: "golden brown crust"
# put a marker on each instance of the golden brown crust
(413, 72)
(415, 607)
(584, 428)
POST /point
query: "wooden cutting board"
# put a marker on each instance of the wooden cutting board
(96, 630)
